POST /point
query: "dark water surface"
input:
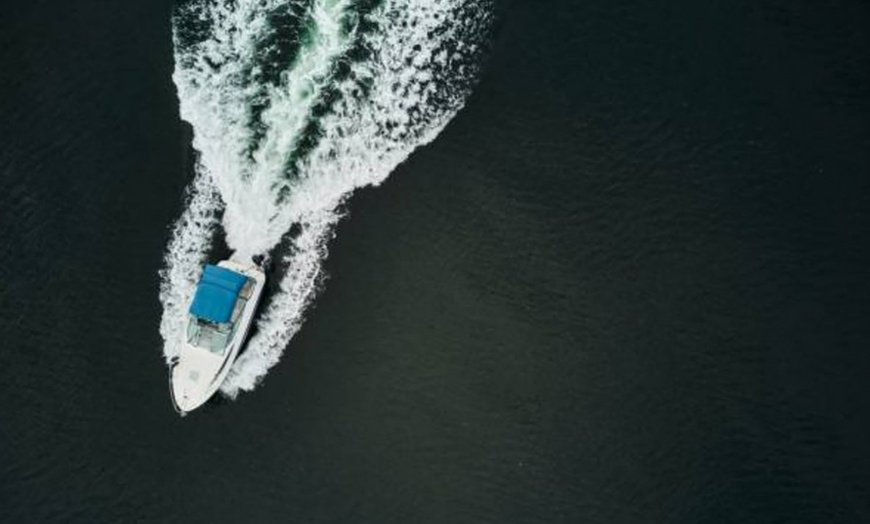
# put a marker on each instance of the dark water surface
(630, 282)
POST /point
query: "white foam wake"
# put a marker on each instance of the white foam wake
(185, 255)
(418, 57)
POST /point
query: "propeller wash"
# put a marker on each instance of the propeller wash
(294, 104)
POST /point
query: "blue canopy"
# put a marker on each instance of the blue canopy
(217, 293)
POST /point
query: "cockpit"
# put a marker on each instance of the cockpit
(213, 336)
(216, 308)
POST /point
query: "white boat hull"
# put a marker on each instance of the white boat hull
(196, 374)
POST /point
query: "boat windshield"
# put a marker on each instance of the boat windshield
(209, 335)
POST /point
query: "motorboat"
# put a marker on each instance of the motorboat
(219, 316)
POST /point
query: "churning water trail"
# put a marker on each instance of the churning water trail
(294, 104)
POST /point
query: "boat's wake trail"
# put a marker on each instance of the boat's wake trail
(294, 104)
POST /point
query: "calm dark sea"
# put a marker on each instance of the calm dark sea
(629, 283)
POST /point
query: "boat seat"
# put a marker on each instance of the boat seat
(247, 289)
(237, 310)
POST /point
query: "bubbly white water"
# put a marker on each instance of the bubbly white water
(407, 67)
